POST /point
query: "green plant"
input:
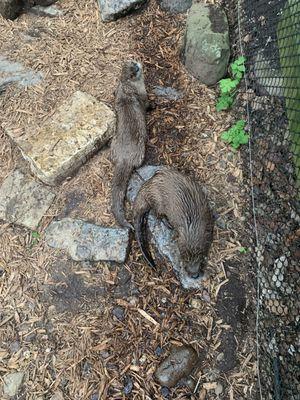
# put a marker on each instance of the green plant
(243, 250)
(35, 238)
(238, 68)
(236, 135)
(228, 86)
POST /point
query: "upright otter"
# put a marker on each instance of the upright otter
(128, 145)
(182, 202)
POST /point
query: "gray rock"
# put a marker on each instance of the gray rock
(119, 313)
(113, 9)
(12, 383)
(175, 6)
(176, 366)
(79, 127)
(138, 178)
(11, 72)
(168, 92)
(206, 51)
(128, 385)
(165, 392)
(24, 201)
(14, 346)
(50, 11)
(161, 236)
(85, 241)
(10, 9)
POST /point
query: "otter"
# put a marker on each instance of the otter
(180, 201)
(128, 144)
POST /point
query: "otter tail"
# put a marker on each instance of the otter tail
(119, 186)
(140, 225)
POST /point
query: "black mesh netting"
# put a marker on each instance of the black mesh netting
(268, 31)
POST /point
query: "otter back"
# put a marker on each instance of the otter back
(128, 145)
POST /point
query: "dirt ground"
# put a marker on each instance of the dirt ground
(75, 329)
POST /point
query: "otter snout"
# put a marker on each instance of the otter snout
(137, 67)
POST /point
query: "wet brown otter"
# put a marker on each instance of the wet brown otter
(128, 145)
(182, 202)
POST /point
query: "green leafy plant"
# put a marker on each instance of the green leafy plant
(35, 238)
(243, 250)
(224, 102)
(228, 86)
(238, 68)
(236, 135)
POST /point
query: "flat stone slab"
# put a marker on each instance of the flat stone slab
(79, 127)
(162, 238)
(207, 50)
(112, 9)
(24, 201)
(14, 72)
(88, 242)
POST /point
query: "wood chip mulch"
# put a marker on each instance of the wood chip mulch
(56, 321)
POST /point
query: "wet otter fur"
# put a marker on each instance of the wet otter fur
(128, 145)
(180, 200)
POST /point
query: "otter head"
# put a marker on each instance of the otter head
(132, 70)
(193, 254)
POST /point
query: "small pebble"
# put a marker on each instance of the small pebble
(196, 303)
(95, 396)
(206, 296)
(134, 301)
(104, 354)
(128, 385)
(143, 359)
(159, 351)
(119, 313)
(14, 346)
(86, 369)
(165, 392)
(219, 389)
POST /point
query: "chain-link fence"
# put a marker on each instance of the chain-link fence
(267, 32)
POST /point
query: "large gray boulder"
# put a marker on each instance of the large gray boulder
(113, 9)
(175, 6)
(10, 9)
(206, 50)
